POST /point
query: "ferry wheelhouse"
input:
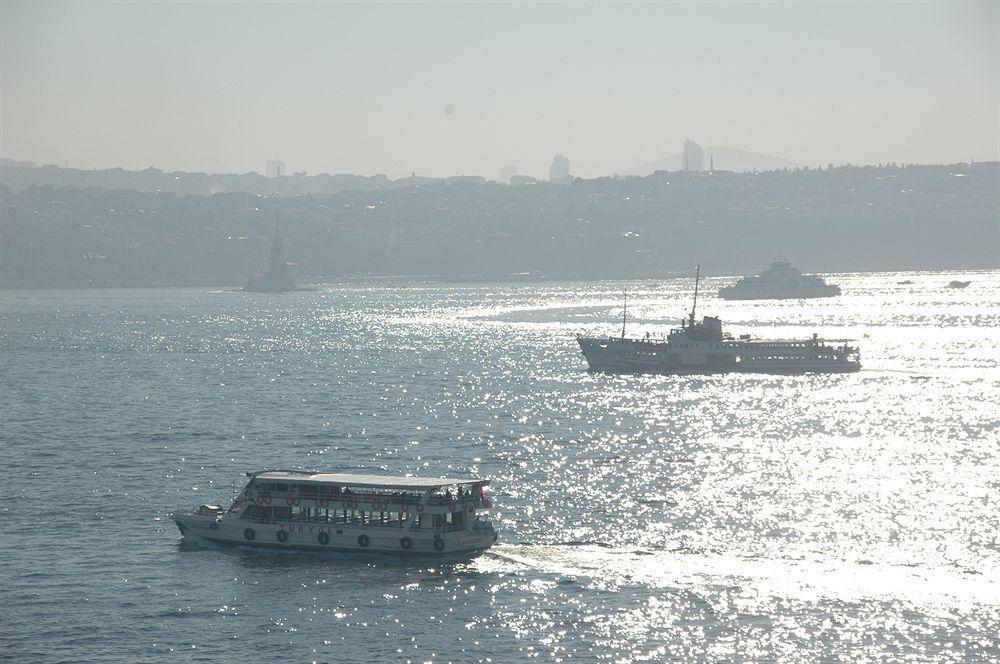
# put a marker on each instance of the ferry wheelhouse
(311, 510)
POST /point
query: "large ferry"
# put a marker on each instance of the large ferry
(781, 281)
(312, 510)
(702, 347)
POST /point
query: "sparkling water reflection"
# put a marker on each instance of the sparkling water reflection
(719, 517)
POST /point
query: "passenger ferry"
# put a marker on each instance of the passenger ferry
(312, 510)
(702, 347)
(781, 281)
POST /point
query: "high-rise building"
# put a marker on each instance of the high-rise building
(507, 172)
(275, 168)
(693, 156)
(559, 170)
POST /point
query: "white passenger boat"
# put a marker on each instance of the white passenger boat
(311, 510)
(781, 281)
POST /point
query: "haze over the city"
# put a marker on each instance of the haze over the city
(445, 89)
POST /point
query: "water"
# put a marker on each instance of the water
(641, 518)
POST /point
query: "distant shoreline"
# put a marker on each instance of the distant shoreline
(404, 280)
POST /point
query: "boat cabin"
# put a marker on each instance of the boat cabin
(370, 501)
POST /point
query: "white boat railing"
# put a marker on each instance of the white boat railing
(371, 503)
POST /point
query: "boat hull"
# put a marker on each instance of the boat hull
(231, 530)
(634, 356)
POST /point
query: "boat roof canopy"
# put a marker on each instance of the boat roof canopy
(369, 481)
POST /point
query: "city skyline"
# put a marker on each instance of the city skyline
(203, 88)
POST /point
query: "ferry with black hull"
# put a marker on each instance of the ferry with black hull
(781, 281)
(703, 348)
(345, 512)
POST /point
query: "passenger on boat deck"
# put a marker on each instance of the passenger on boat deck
(447, 494)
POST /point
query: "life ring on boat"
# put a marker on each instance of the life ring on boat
(380, 505)
(406, 543)
(214, 525)
(420, 507)
(264, 500)
(291, 502)
(282, 536)
(438, 544)
(249, 534)
(363, 541)
(350, 504)
(324, 539)
(321, 503)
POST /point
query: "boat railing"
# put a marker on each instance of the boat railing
(373, 502)
(391, 523)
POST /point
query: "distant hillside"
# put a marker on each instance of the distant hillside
(726, 159)
(19, 175)
(844, 218)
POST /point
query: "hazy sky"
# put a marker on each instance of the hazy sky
(222, 87)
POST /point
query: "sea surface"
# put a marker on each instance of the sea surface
(716, 518)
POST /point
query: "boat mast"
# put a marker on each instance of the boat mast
(624, 313)
(697, 274)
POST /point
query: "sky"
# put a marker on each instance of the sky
(464, 88)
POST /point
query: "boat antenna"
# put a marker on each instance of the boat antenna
(697, 274)
(624, 313)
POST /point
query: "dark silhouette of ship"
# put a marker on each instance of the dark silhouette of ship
(278, 278)
(781, 281)
(704, 348)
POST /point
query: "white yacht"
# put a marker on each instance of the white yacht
(781, 281)
(312, 510)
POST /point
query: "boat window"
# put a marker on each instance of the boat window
(307, 489)
(253, 512)
(280, 488)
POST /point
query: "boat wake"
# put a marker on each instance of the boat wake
(605, 567)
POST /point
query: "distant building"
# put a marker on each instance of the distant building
(693, 157)
(507, 172)
(521, 180)
(275, 168)
(559, 170)
(277, 279)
